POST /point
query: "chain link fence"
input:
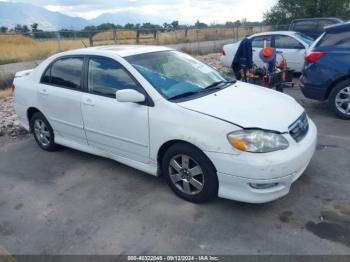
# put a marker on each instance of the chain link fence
(15, 47)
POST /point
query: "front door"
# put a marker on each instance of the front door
(119, 128)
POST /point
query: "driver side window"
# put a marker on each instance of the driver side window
(106, 76)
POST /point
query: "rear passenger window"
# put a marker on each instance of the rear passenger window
(45, 79)
(336, 39)
(106, 76)
(65, 72)
(261, 41)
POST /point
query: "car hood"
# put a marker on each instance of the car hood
(249, 106)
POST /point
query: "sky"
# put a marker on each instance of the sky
(183, 10)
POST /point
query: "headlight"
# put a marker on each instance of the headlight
(257, 141)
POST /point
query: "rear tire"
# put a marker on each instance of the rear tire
(43, 132)
(339, 99)
(189, 173)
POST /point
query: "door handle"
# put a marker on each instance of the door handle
(88, 102)
(44, 92)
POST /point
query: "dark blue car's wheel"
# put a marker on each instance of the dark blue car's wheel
(339, 99)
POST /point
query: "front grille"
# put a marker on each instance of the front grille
(299, 128)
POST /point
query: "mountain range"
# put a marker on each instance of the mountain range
(12, 14)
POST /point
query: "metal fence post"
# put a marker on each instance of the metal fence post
(237, 28)
(58, 37)
(137, 36)
(155, 36)
(91, 41)
(115, 36)
(197, 38)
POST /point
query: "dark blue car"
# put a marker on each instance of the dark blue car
(326, 73)
(313, 27)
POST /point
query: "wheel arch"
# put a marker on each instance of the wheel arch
(165, 146)
(30, 112)
(339, 80)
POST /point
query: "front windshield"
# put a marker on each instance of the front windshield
(307, 39)
(174, 73)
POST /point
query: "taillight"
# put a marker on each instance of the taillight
(313, 56)
(223, 53)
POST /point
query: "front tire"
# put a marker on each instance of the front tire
(339, 99)
(189, 173)
(43, 132)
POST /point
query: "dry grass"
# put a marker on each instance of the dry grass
(193, 35)
(5, 93)
(16, 48)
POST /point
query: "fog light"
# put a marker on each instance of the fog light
(262, 186)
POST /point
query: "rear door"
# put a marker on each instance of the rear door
(258, 43)
(291, 49)
(336, 46)
(119, 128)
(60, 93)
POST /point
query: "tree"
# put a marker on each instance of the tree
(200, 25)
(34, 27)
(175, 25)
(22, 29)
(167, 27)
(3, 29)
(129, 26)
(287, 10)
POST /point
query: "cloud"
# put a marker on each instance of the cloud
(183, 10)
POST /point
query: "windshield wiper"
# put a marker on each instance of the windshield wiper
(186, 94)
(216, 85)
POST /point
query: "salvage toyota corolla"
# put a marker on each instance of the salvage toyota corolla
(165, 113)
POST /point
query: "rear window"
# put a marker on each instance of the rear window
(323, 23)
(341, 39)
(307, 39)
(305, 26)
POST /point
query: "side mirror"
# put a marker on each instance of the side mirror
(129, 95)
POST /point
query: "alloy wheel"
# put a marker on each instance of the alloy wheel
(186, 174)
(342, 100)
(41, 132)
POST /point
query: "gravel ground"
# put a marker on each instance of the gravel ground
(9, 124)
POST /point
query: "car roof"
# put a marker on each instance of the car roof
(289, 33)
(317, 18)
(338, 27)
(119, 50)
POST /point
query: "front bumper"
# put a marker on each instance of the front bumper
(236, 173)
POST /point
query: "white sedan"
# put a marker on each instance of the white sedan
(165, 113)
(291, 45)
